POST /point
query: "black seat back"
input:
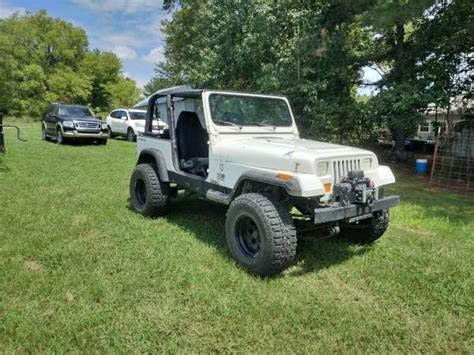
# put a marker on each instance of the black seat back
(192, 138)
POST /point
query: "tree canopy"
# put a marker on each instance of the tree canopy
(46, 60)
(315, 52)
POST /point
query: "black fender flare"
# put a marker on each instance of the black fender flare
(292, 186)
(155, 156)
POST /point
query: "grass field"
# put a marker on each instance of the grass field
(81, 272)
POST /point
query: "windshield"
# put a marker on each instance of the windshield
(75, 111)
(243, 110)
(137, 115)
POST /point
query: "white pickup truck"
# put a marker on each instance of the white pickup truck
(243, 150)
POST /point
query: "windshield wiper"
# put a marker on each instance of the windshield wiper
(228, 123)
(261, 124)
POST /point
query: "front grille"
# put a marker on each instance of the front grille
(342, 167)
(87, 125)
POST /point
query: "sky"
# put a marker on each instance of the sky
(129, 28)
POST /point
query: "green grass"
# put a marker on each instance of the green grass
(80, 271)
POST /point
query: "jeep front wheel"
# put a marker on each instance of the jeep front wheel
(260, 234)
(367, 230)
(149, 196)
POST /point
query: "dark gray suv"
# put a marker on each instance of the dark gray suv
(73, 122)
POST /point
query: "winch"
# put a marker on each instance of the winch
(356, 189)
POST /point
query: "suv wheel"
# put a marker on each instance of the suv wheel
(368, 230)
(130, 135)
(111, 134)
(260, 234)
(44, 136)
(149, 196)
(59, 136)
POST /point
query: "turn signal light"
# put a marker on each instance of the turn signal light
(285, 176)
(327, 188)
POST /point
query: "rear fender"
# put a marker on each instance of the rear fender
(154, 156)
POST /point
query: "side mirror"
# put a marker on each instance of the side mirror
(124, 118)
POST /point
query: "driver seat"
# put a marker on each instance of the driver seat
(193, 150)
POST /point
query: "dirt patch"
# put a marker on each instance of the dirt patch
(33, 265)
(69, 297)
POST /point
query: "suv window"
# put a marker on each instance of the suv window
(136, 115)
(115, 114)
(121, 113)
(75, 111)
(50, 110)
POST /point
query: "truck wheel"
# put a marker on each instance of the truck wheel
(260, 234)
(130, 135)
(148, 194)
(368, 230)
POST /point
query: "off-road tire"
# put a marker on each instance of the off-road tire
(131, 135)
(149, 196)
(368, 230)
(276, 234)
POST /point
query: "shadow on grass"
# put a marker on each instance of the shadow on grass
(76, 142)
(206, 221)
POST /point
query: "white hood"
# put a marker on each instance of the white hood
(297, 155)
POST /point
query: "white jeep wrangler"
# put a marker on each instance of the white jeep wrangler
(244, 151)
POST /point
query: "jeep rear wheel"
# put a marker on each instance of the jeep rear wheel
(368, 230)
(260, 234)
(149, 196)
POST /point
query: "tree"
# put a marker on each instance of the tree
(402, 96)
(104, 70)
(46, 59)
(302, 50)
(124, 93)
(446, 61)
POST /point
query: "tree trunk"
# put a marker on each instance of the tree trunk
(449, 121)
(400, 140)
(400, 76)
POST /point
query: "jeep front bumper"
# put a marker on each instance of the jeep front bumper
(338, 213)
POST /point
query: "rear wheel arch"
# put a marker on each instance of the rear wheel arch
(157, 160)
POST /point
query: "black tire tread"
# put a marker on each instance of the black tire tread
(157, 195)
(280, 225)
(366, 234)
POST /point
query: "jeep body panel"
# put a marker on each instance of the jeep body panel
(248, 152)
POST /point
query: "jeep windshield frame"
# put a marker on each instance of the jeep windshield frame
(244, 110)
